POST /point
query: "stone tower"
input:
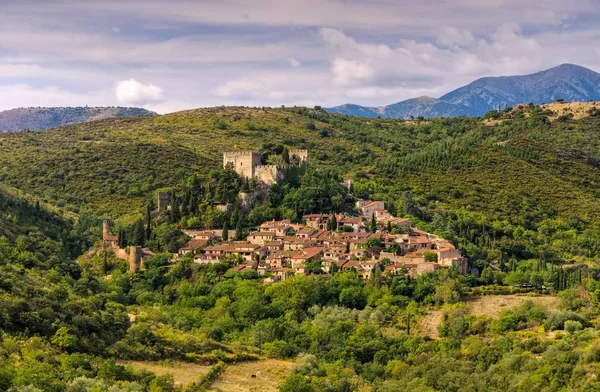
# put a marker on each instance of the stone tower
(135, 258)
(299, 156)
(106, 228)
(164, 199)
(244, 162)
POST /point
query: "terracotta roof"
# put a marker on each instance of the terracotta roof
(111, 238)
(371, 204)
(307, 253)
(262, 234)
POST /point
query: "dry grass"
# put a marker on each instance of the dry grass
(579, 109)
(489, 305)
(492, 305)
(182, 372)
(238, 377)
(428, 325)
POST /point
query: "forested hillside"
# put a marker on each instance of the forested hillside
(516, 192)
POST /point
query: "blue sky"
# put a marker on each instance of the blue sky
(175, 55)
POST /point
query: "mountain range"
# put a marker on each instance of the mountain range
(567, 81)
(36, 119)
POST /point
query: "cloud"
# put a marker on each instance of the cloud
(133, 92)
(294, 62)
(350, 71)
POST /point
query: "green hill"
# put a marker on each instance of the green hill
(518, 188)
(478, 182)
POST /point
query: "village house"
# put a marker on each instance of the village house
(316, 221)
(192, 246)
(280, 259)
(281, 249)
(307, 255)
(261, 237)
(280, 228)
(354, 223)
(367, 208)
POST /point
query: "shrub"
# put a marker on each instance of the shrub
(571, 326)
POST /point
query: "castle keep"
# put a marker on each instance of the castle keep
(248, 165)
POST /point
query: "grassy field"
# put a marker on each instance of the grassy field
(492, 305)
(489, 305)
(182, 372)
(238, 377)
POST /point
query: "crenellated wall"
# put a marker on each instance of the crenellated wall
(243, 162)
(248, 165)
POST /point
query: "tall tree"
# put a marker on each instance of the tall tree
(148, 222)
(225, 234)
(239, 235)
(373, 225)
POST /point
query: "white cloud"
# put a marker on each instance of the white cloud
(294, 62)
(133, 92)
(450, 36)
(350, 71)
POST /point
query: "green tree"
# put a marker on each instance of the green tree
(148, 223)
(239, 235)
(225, 233)
(373, 225)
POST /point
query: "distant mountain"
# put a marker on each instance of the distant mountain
(569, 82)
(36, 119)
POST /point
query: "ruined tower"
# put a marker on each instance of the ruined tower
(164, 199)
(106, 228)
(298, 156)
(135, 258)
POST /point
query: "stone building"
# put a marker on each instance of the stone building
(164, 200)
(135, 258)
(248, 165)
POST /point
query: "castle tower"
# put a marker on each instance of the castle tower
(106, 228)
(135, 258)
(164, 199)
(299, 156)
(243, 162)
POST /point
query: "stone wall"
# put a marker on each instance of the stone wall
(269, 174)
(135, 258)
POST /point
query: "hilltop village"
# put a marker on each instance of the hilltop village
(366, 241)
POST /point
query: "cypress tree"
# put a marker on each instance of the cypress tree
(235, 216)
(389, 227)
(373, 225)
(238, 230)
(225, 234)
(138, 235)
(148, 223)
(333, 223)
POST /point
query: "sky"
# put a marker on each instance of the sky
(182, 54)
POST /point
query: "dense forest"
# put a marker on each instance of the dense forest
(517, 193)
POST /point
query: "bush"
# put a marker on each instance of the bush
(571, 326)
(557, 320)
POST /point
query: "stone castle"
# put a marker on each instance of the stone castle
(248, 165)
